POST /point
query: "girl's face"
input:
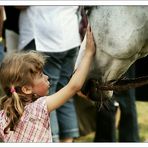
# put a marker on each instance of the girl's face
(41, 84)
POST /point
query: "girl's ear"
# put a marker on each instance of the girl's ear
(26, 89)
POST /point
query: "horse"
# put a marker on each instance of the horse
(121, 38)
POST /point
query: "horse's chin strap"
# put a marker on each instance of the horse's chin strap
(124, 84)
(93, 89)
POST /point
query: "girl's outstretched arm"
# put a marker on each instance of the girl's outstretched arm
(78, 78)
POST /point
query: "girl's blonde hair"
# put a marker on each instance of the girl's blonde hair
(17, 70)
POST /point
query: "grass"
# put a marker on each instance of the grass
(87, 138)
(142, 110)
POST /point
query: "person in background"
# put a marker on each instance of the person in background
(54, 31)
(11, 30)
(128, 123)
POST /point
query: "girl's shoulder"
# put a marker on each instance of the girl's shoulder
(37, 107)
(40, 102)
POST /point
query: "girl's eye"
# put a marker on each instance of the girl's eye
(41, 74)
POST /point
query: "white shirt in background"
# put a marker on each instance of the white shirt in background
(54, 28)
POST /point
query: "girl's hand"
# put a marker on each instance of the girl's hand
(90, 44)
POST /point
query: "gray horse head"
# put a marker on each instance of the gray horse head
(121, 37)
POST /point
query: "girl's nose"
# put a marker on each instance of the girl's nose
(46, 77)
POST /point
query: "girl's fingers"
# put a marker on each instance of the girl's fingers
(88, 28)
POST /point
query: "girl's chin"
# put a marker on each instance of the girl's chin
(47, 93)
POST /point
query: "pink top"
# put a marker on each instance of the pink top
(34, 125)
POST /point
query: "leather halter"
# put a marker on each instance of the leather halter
(83, 22)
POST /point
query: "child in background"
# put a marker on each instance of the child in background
(25, 108)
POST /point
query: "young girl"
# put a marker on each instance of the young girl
(24, 114)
